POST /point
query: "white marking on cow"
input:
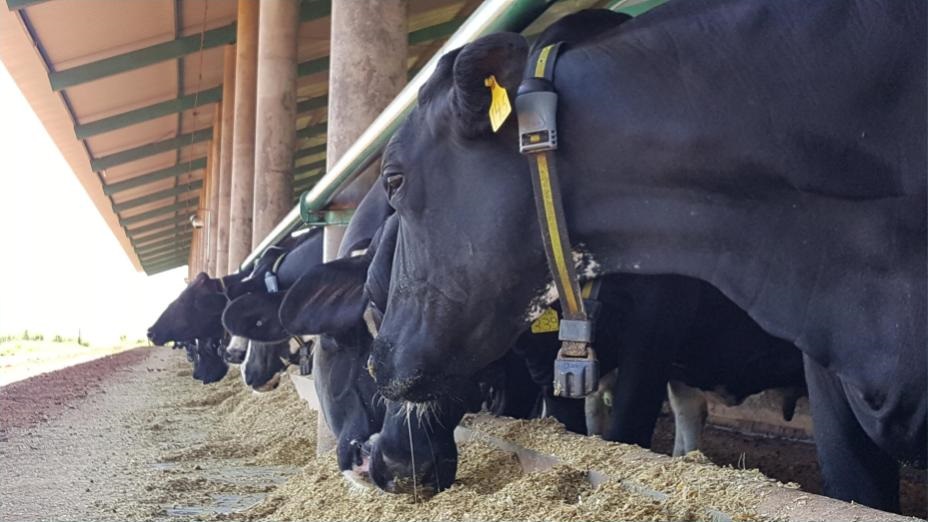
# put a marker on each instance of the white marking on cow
(356, 480)
(541, 302)
(689, 416)
(357, 253)
(597, 406)
(247, 358)
(587, 267)
(369, 321)
(237, 344)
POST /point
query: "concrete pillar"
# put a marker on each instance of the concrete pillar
(243, 140)
(212, 210)
(368, 52)
(278, 25)
(225, 161)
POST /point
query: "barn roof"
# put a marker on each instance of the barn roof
(128, 90)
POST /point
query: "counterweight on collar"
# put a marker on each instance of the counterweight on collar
(576, 371)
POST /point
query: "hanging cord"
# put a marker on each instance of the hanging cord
(196, 96)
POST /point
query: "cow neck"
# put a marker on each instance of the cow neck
(576, 370)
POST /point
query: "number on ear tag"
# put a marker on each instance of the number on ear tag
(546, 323)
(499, 103)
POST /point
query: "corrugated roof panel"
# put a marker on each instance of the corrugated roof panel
(74, 32)
(129, 89)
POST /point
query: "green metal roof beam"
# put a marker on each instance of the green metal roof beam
(160, 265)
(151, 112)
(166, 264)
(165, 260)
(157, 245)
(164, 252)
(309, 151)
(183, 205)
(634, 7)
(155, 196)
(164, 249)
(302, 169)
(141, 58)
(312, 130)
(309, 67)
(434, 32)
(168, 107)
(166, 256)
(178, 48)
(151, 177)
(16, 5)
(164, 268)
(306, 183)
(151, 149)
(311, 104)
(176, 220)
(180, 228)
(163, 246)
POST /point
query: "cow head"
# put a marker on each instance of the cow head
(468, 264)
(206, 356)
(235, 350)
(263, 364)
(255, 316)
(415, 450)
(194, 314)
(328, 301)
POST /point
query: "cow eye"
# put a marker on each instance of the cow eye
(393, 182)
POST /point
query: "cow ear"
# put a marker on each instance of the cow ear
(211, 303)
(500, 55)
(254, 316)
(329, 298)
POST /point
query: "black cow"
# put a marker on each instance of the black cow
(773, 150)
(655, 329)
(197, 312)
(265, 362)
(254, 315)
(396, 446)
(206, 357)
(195, 317)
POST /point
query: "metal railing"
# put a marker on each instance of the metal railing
(491, 16)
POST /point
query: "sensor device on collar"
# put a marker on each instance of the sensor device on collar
(270, 277)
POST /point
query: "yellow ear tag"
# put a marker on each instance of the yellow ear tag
(499, 103)
(547, 322)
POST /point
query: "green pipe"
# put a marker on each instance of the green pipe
(490, 17)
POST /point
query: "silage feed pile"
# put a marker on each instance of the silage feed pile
(491, 485)
(273, 428)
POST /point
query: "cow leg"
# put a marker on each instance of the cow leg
(853, 467)
(568, 412)
(689, 416)
(652, 332)
(598, 405)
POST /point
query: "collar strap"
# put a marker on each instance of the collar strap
(222, 287)
(306, 355)
(576, 372)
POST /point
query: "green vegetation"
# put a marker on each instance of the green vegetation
(29, 354)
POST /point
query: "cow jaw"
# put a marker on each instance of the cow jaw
(270, 385)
